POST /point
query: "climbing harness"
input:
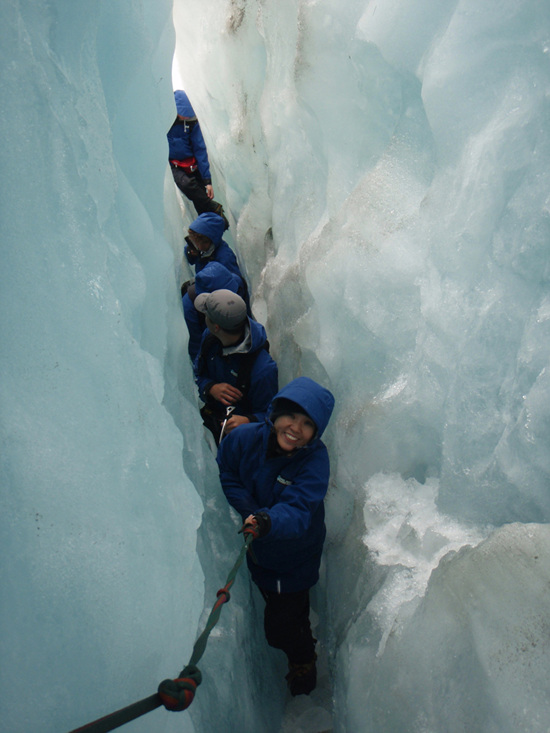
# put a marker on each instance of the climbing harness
(175, 694)
(189, 165)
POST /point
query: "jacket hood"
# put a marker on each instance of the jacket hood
(183, 105)
(214, 276)
(210, 224)
(317, 401)
(258, 335)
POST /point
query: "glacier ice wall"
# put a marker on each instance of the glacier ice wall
(386, 169)
(98, 518)
(394, 160)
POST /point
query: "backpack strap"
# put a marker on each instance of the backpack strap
(245, 369)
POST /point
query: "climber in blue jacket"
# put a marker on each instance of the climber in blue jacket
(213, 276)
(189, 158)
(204, 244)
(233, 368)
(275, 475)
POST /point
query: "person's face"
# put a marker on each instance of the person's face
(199, 243)
(293, 431)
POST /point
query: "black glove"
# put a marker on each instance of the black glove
(191, 248)
(186, 285)
(259, 527)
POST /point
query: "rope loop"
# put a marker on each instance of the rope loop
(178, 694)
(224, 592)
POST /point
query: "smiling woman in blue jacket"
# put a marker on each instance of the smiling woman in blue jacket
(275, 474)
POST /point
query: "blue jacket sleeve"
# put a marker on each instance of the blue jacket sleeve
(195, 326)
(202, 380)
(200, 153)
(226, 257)
(230, 458)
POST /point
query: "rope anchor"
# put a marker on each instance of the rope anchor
(176, 694)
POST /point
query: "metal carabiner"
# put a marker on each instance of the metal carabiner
(228, 410)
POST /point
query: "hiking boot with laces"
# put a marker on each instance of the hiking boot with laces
(302, 678)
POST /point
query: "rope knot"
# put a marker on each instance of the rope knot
(178, 694)
(223, 592)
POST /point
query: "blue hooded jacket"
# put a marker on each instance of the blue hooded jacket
(213, 226)
(183, 105)
(185, 137)
(290, 488)
(212, 367)
(213, 276)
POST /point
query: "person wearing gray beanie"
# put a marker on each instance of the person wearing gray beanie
(236, 376)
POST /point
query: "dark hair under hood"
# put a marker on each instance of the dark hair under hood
(316, 401)
(210, 224)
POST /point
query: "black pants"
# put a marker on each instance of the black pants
(193, 187)
(286, 624)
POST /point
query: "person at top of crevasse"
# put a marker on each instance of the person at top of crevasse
(188, 158)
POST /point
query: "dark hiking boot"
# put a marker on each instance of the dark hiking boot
(302, 678)
(221, 212)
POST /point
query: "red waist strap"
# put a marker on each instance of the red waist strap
(189, 163)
